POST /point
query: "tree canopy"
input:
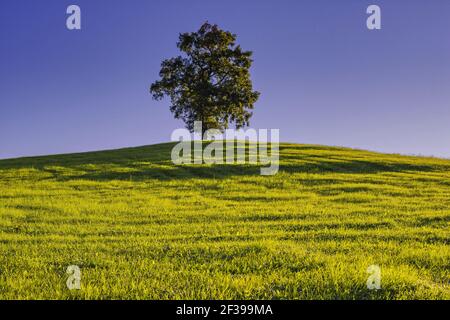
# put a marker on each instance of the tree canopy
(209, 82)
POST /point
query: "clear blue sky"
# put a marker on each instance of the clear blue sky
(323, 77)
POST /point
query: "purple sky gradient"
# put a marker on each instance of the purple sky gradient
(323, 77)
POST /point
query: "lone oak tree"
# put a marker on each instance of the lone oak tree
(210, 82)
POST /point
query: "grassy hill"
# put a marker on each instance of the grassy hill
(140, 227)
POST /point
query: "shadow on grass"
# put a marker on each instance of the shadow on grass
(153, 162)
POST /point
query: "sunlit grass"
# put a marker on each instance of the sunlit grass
(141, 228)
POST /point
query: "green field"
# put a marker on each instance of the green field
(140, 227)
